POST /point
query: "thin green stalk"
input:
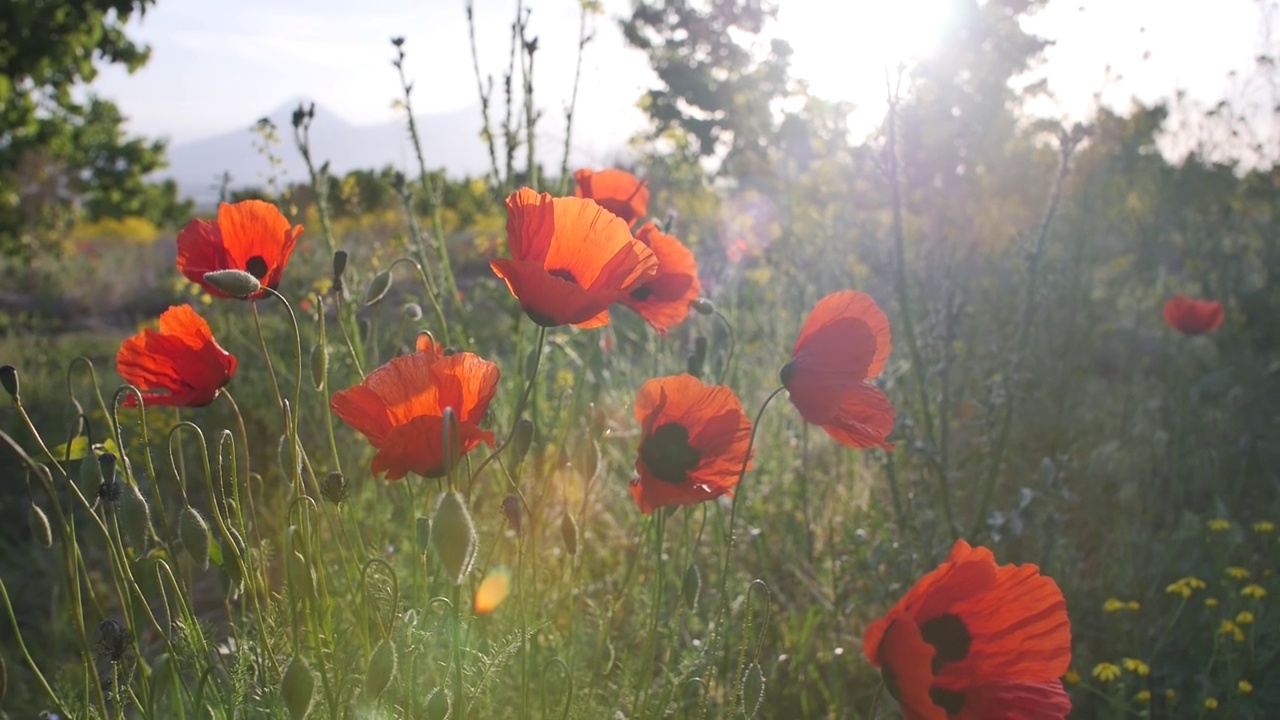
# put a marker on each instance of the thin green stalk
(583, 39)
(520, 405)
(647, 665)
(266, 356)
(346, 336)
(22, 648)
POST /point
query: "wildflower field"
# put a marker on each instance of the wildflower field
(969, 419)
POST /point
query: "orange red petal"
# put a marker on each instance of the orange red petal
(618, 191)
(663, 300)
(250, 235)
(1191, 316)
(179, 365)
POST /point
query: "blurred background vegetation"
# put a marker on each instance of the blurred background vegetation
(1044, 408)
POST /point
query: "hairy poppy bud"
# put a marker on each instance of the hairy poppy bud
(569, 532)
(522, 441)
(334, 488)
(752, 690)
(382, 668)
(703, 306)
(90, 473)
(453, 535)
(236, 283)
(377, 288)
(319, 365)
(300, 575)
(134, 515)
(298, 688)
(439, 706)
(412, 311)
(9, 379)
(39, 523)
(511, 508)
(194, 532)
(691, 587)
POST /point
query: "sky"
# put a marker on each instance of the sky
(217, 65)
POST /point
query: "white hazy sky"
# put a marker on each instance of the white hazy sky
(217, 65)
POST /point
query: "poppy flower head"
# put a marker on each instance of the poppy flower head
(250, 235)
(975, 640)
(617, 191)
(180, 364)
(694, 438)
(570, 259)
(842, 345)
(663, 300)
(1191, 316)
(400, 407)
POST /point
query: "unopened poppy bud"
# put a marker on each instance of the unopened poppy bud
(697, 357)
(134, 515)
(703, 306)
(453, 535)
(522, 441)
(382, 668)
(39, 523)
(591, 463)
(301, 579)
(334, 488)
(9, 379)
(691, 587)
(298, 688)
(194, 532)
(339, 264)
(752, 691)
(412, 311)
(569, 532)
(319, 365)
(511, 508)
(232, 574)
(236, 283)
(439, 706)
(377, 288)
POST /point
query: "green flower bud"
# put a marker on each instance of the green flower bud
(439, 706)
(453, 535)
(134, 515)
(569, 532)
(703, 306)
(382, 668)
(39, 523)
(319, 365)
(9, 380)
(691, 587)
(752, 690)
(377, 288)
(194, 532)
(236, 283)
(522, 441)
(298, 688)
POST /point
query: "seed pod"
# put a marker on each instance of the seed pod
(319, 365)
(752, 690)
(334, 488)
(134, 515)
(236, 283)
(39, 523)
(90, 473)
(382, 667)
(439, 706)
(453, 535)
(703, 306)
(298, 688)
(339, 265)
(691, 587)
(377, 288)
(9, 380)
(412, 311)
(194, 532)
(522, 441)
(569, 532)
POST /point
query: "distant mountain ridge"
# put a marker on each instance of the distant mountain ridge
(450, 140)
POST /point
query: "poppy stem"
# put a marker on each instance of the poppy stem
(520, 403)
(728, 360)
(640, 699)
(733, 513)
(266, 355)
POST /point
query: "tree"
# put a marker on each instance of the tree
(59, 154)
(716, 89)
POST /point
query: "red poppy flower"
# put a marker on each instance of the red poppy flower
(181, 365)
(570, 259)
(617, 191)
(1190, 316)
(693, 440)
(400, 406)
(663, 300)
(250, 235)
(976, 641)
(843, 344)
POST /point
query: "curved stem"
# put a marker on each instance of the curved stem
(431, 294)
(266, 355)
(520, 403)
(724, 371)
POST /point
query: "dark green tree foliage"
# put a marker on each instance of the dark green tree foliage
(715, 88)
(57, 151)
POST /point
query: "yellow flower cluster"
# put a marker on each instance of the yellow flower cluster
(1219, 525)
(1143, 696)
(1244, 617)
(1072, 677)
(1254, 591)
(1210, 704)
(1229, 627)
(1185, 586)
(1245, 687)
(1106, 672)
(1136, 666)
(1211, 602)
(1264, 527)
(1238, 573)
(1115, 605)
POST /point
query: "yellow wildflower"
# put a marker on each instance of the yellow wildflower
(1113, 605)
(1195, 583)
(1106, 672)
(1072, 677)
(1136, 666)
(1170, 695)
(1254, 591)
(1133, 606)
(1210, 704)
(1230, 628)
(1219, 525)
(1244, 617)
(1179, 587)
(1211, 602)
(1245, 687)
(1264, 526)
(1143, 696)
(1238, 573)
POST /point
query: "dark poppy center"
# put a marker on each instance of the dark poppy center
(787, 371)
(564, 275)
(257, 267)
(667, 454)
(949, 700)
(949, 636)
(641, 293)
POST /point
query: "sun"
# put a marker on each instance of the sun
(842, 49)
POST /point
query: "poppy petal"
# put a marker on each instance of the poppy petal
(548, 300)
(179, 365)
(844, 341)
(1011, 701)
(863, 419)
(905, 663)
(618, 191)
(663, 300)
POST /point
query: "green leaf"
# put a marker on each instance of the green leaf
(80, 448)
